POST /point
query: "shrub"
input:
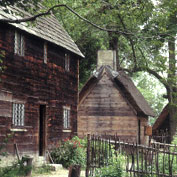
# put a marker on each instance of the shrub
(16, 170)
(113, 169)
(70, 152)
(109, 171)
(175, 139)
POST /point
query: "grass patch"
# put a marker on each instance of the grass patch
(44, 169)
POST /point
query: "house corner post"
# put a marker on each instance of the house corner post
(88, 155)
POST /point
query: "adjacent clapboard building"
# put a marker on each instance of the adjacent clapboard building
(161, 127)
(162, 123)
(38, 83)
(109, 103)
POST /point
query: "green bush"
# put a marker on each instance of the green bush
(70, 152)
(175, 140)
(16, 170)
(113, 169)
(164, 160)
(109, 171)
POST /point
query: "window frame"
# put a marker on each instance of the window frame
(67, 62)
(19, 44)
(66, 117)
(18, 120)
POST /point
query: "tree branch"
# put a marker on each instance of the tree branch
(131, 41)
(150, 71)
(32, 18)
(143, 55)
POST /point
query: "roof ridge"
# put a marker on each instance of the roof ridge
(49, 30)
(129, 89)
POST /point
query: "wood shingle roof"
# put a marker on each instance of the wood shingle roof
(47, 28)
(161, 119)
(128, 88)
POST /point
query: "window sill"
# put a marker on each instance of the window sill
(67, 131)
(18, 130)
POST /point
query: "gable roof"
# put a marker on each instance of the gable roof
(163, 116)
(126, 85)
(47, 28)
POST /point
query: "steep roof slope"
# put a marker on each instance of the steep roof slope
(162, 117)
(47, 28)
(128, 88)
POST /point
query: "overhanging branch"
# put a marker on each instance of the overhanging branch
(32, 18)
(150, 71)
(130, 39)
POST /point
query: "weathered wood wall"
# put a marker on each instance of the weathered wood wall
(105, 110)
(28, 80)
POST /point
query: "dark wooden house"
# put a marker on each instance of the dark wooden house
(110, 103)
(38, 84)
(161, 127)
(162, 122)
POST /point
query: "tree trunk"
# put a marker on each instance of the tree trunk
(172, 91)
(113, 45)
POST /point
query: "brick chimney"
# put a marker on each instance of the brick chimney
(106, 57)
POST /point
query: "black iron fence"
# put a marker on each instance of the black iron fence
(161, 136)
(158, 159)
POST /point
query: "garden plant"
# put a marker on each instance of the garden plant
(70, 152)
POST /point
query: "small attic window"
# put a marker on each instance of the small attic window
(45, 52)
(67, 62)
(19, 44)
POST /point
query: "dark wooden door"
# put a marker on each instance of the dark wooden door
(139, 132)
(42, 129)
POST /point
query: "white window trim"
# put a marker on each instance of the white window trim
(45, 52)
(66, 117)
(18, 130)
(66, 131)
(19, 50)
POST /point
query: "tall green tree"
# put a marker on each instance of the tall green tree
(163, 25)
(137, 30)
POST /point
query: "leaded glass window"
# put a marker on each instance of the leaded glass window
(18, 114)
(19, 44)
(66, 117)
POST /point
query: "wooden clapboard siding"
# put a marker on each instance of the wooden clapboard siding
(104, 124)
(29, 80)
(105, 99)
(105, 107)
(143, 124)
(106, 110)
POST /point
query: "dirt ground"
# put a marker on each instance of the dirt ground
(58, 173)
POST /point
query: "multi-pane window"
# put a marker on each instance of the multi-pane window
(66, 117)
(45, 52)
(67, 62)
(18, 114)
(19, 44)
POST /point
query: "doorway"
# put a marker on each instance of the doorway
(139, 132)
(42, 129)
